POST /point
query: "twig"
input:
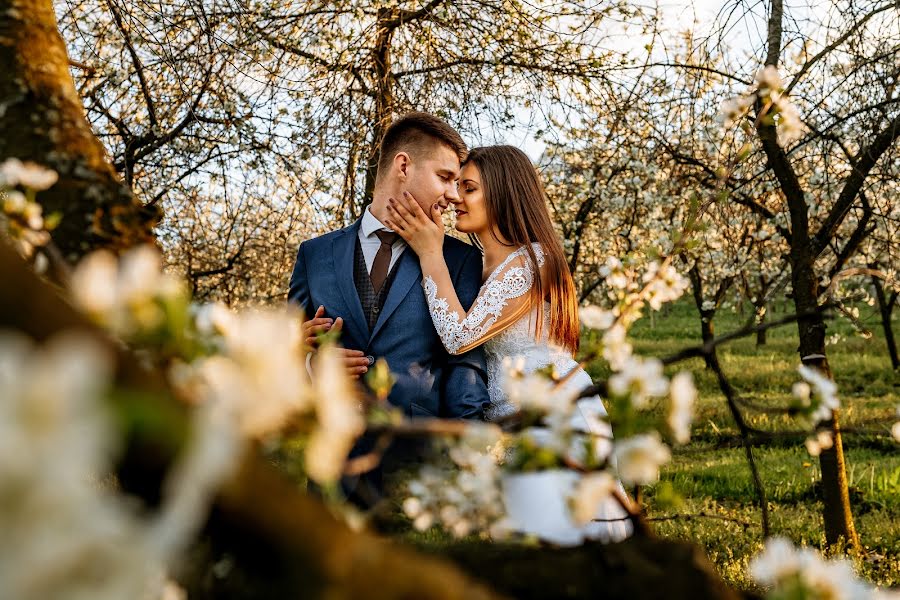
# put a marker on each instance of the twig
(730, 396)
(745, 524)
(709, 347)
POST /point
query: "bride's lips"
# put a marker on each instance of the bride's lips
(460, 213)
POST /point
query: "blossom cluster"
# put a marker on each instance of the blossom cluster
(21, 217)
(815, 396)
(769, 90)
(67, 533)
(790, 572)
(248, 366)
(132, 297)
(464, 497)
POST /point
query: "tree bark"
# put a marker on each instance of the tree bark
(386, 24)
(42, 120)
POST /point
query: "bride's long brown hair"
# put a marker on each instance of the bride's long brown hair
(517, 206)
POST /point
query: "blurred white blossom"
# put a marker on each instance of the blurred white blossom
(128, 295)
(339, 422)
(683, 396)
(616, 348)
(65, 535)
(21, 217)
(259, 376)
(640, 379)
(595, 317)
(14, 172)
(639, 457)
(664, 284)
(803, 573)
(819, 396)
(823, 440)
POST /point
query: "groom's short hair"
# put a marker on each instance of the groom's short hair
(416, 133)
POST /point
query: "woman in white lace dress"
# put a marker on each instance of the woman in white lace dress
(527, 307)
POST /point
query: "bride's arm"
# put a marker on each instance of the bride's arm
(500, 302)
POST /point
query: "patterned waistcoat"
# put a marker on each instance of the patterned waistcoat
(372, 301)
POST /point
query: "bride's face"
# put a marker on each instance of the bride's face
(471, 213)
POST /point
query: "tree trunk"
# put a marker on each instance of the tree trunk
(886, 306)
(384, 92)
(42, 120)
(837, 514)
(707, 330)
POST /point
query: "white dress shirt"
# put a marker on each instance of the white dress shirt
(370, 242)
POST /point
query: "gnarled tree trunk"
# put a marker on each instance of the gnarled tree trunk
(42, 120)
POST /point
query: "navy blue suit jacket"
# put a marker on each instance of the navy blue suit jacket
(430, 382)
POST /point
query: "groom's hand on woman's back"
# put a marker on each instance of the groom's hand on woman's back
(355, 361)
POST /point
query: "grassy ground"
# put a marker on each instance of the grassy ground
(716, 505)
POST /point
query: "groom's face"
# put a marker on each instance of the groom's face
(432, 177)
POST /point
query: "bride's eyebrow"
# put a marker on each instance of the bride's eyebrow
(470, 181)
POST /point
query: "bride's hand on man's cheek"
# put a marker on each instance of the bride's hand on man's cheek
(420, 230)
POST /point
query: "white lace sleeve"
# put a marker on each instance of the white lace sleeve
(507, 285)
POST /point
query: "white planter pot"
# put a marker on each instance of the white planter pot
(538, 504)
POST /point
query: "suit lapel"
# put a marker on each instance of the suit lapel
(408, 273)
(344, 248)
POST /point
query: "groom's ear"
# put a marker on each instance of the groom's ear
(401, 165)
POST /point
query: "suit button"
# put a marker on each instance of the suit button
(371, 359)
(375, 310)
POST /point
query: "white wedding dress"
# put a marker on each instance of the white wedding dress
(506, 290)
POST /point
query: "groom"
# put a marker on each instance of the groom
(365, 280)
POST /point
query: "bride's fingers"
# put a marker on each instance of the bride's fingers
(395, 215)
(396, 228)
(413, 207)
(404, 212)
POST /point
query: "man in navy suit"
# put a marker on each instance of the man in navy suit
(364, 280)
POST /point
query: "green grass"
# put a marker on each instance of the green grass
(717, 503)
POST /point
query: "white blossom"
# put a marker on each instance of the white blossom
(260, 375)
(640, 379)
(339, 417)
(595, 317)
(782, 567)
(825, 396)
(126, 295)
(533, 391)
(683, 396)
(664, 284)
(616, 349)
(638, 458)
(734, 109)
(823, 440)
(14, 172)
(768, 80)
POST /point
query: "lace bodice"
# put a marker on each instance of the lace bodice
(503, 315)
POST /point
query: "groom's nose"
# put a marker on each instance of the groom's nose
(452, 194)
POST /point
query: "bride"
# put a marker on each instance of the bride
(527, 307)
